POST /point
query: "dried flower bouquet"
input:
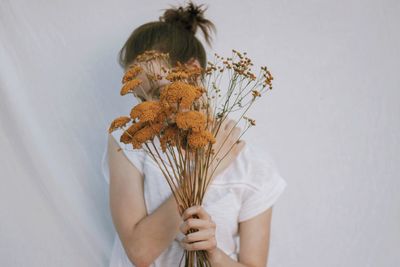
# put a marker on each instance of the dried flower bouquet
(176, 122)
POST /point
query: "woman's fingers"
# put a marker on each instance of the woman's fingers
(197, 209)
(201, 235)
(235, 133)
(232, 130)
(193, 223)
(229, 124)
(223, 124)
(201, 240)
(200, 245)
(204, 237)
(240, 145)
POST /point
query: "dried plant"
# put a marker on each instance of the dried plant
(176, 123)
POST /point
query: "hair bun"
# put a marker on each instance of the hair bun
(190, 17)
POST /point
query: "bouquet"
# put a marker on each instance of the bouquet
(178, 128)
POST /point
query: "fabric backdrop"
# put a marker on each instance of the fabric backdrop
(331, 123)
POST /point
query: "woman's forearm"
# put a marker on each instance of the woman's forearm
(154, 233)
(220, 259)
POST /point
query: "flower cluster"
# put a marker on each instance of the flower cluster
(180, 94)
(186, 113)
(170, 118)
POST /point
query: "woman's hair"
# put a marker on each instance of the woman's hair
(174, 33)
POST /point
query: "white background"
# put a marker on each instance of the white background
(331, 123)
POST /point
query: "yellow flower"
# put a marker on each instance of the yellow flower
(127, 135)
(149, 55)
(191, 70)
(174, 76)
(131, 73)
(118, 122)
(145, 134)
(129, 86)
(167, 109)
(200, 139)
(180, 93)
(255, 93)
(194, 120)
(146, 111)
(169, 136)
(195, 71)
(138, 133)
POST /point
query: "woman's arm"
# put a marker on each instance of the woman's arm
(144, 237)
(254, 238)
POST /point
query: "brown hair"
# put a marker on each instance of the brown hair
(174, 33)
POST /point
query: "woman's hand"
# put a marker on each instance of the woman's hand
(204, 238)
(227, 136)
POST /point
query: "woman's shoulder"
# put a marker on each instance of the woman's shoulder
(262, 183)
(251, 168)
(116, 135)
(135, 156)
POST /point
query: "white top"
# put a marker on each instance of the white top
(249, 186)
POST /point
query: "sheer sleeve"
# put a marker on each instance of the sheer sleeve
(135, 156)
(263, 186)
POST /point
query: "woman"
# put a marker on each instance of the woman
(234, 220)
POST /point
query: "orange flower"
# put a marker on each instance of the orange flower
(174, 76)
(140, 132)
(129, 86)
(149, 55)
(191, 70)
(255, 93)
(194, 71)
(169, 136)
(147, 111)
(200, 139)
(128, 134)
(145, 134)
(167, 109)
(194, 120)
(131, 73)
(118, 122)
(181, 93)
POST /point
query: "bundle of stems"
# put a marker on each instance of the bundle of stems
(180, 112)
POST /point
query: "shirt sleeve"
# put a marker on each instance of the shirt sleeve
(262, 188)
(135, 156)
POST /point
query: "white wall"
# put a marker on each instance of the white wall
(331, 123)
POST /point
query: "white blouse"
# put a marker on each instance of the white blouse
(249, 186)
